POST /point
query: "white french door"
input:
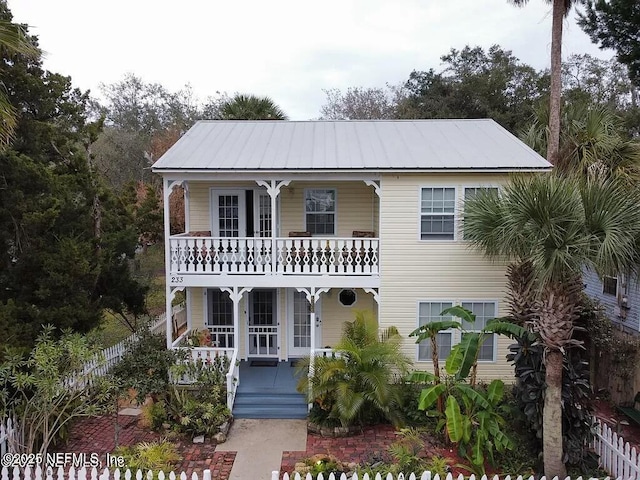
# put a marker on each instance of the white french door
(299, 324)
(262, 217)
(263, 326)
(228, 213)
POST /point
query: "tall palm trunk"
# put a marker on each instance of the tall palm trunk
(552, 417)
(557, 310)
(553, 144)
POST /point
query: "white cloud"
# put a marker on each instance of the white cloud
(287, 49)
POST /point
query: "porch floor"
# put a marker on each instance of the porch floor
(267, 379)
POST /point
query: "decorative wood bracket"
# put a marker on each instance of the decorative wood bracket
(374, 292)
(375, 184)
(273, 186)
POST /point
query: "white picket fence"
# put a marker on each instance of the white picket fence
(7, 436)
(38, 473)
(103, 361)
(616, 456)
(275, 475)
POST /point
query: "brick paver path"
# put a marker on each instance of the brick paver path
(357, 449)
(96, 435)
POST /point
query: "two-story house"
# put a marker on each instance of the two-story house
(291, 226)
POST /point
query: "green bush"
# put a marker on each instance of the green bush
(197, 413)
(356, 386)
(154, 456)
(145, 366)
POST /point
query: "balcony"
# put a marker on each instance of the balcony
(260, 256)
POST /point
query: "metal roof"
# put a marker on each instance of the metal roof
(374, 145)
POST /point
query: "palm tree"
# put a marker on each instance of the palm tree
(593, 143)
(13, 40)
(251, 107)
(560, 10)
(557, 227)
(357, 381)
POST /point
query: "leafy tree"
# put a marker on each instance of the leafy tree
(559, 227)
(251, 107)
(593, 143)
(615, 24)
(142, 120)
(605, 83)
(13, 41)
(59, 265)
(359, 103)
(49, 389)
(475, 84)
(356, 383)
(560, 9)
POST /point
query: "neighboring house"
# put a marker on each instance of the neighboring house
(620, 297)
(291, 226)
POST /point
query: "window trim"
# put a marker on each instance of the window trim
(495, 336)
(454, 214)
(335, 212)
(617, 286)
(456, 335)
(355, 294)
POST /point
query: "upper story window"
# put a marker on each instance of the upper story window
(610, 285)
(471, 192)
(437, 213)
(320, 211)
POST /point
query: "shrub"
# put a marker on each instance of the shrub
(145, 366)
(355, 386)
(154, 456)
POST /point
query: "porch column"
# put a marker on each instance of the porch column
(236, 294)
(273, 189)
(313, 295)
(167, 188)
(376, 296)
(187, 222)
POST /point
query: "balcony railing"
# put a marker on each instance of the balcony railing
(298, 256)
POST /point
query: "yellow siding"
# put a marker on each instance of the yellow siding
(335, 314)
(414, 270)
(197, 308)
(200, 198)
(357, 205)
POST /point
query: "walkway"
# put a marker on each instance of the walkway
(260, 444)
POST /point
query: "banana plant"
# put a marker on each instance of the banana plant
(472, 419)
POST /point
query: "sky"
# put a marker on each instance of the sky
(289, 50)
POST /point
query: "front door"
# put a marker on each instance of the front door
(263, 325)
(229, 213)
(299, 321)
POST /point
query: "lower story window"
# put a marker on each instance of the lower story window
(429, 312)
(220, 319)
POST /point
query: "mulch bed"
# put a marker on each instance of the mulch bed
(97, 435)
(362, 448)
(609, 415)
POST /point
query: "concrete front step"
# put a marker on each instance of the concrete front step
(269, 405)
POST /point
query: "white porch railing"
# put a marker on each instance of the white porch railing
(297, 256)
(221, 335)
(207, 354)
(263, 340)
